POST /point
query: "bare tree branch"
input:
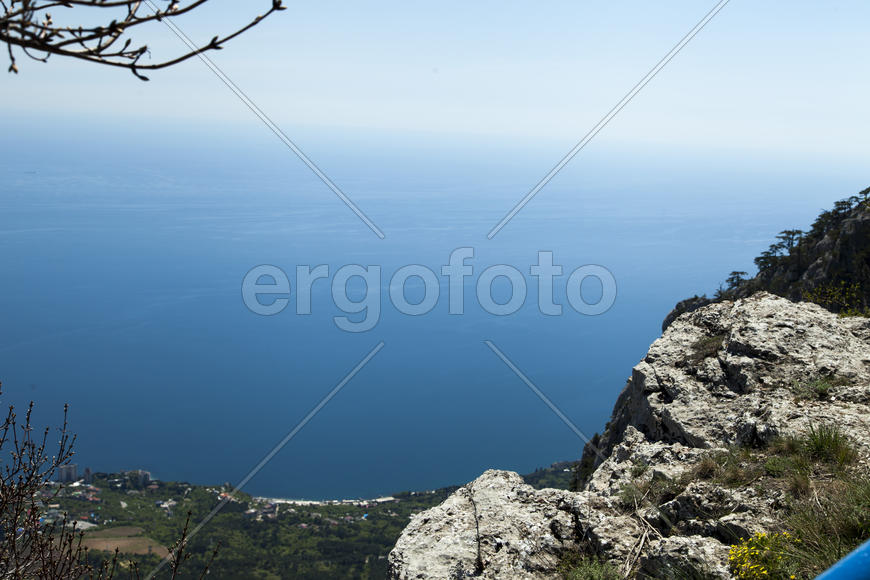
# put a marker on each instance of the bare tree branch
(33, 547)
(29, 26)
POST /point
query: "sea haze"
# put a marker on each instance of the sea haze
(122, 268)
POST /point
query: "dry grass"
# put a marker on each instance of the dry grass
(830, 523)
(828, 497)
(127, 539)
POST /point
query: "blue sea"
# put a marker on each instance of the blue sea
(123, 250)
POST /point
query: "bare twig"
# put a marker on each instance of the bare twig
(31, 547)
(30, 26)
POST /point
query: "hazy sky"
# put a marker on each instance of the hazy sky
(781, 77)
(129, 202)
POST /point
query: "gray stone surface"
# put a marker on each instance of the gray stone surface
(677, 407)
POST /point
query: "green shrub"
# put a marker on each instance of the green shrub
(638, 468)
(828, 443)
(818, 388)
(631, 496)
(777, 466)
(763, 556)
(828, 512)
(578, 567)
(842, 297)
(791, 458)
(852, 312)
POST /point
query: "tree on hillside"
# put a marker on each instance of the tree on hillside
(735, 279)
(99, 31)
(790, 238)
(765, 261)
(844, 206)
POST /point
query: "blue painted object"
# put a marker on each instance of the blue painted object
(855, 566)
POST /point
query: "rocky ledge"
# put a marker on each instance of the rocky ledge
(724, 376)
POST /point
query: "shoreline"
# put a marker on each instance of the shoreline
(310, 502)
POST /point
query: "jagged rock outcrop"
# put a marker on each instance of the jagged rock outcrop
(722, 375)
(725, 375)
(684, 306)
(499, 527)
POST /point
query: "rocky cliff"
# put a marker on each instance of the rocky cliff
(730, 375)
(829, 264)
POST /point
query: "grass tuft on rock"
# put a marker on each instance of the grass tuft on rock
(828, 511)
(830, 523)
(818, 388)
(584, 567)
(828, 443)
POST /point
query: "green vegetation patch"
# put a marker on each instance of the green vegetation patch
(821, 529)
(844, 297)
(829, 524)
(819, 388)
(763, 556)
(735, 468)
(257, 539)
(638, 468)
(782, 268)
(828, 443)
(822, 448)
(557, 476)
(579, 567)
(828, 503)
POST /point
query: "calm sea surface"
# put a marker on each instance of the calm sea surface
(122, 266)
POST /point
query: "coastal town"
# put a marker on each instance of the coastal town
(142, 517)
(85, 499)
